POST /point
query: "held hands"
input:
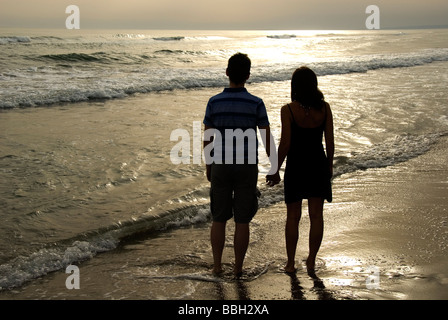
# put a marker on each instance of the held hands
(273, 179)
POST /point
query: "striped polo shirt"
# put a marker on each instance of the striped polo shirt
(235, 114)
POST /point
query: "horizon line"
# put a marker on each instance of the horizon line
(238, 29)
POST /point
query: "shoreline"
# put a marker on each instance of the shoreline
(392, 220)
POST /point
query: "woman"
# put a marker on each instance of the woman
(308, 169)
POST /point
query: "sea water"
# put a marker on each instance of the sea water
(86, 119)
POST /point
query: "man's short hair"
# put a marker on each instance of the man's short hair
(238, 68)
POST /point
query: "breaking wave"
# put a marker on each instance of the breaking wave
(187, 210)
(137, 76)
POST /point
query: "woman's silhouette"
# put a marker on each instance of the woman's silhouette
(309, 168)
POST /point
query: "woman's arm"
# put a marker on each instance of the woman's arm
(283, 148)
(285, 140)
(329, 139)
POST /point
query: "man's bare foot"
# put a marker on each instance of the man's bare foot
(217, 271)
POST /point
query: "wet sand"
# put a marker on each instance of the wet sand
(386, 238)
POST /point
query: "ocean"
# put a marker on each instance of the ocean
(86, 118)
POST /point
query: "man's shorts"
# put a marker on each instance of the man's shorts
(234, 192)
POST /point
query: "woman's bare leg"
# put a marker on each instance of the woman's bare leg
(315, 207)
(294, 213)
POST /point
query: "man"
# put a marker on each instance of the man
(232, 117)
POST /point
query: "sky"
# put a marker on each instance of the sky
(219, 14)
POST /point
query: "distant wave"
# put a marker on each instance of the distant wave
(356, 64)
(282, 36)
(138, 77)
(112, 57)
(47, 38)
(178, 38)
(133, 36)
(98, 57)
(13, 39)
(130, 36)
(72, 57)
(180, 52)
(361, 64)
(123, 36)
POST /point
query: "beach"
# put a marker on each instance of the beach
(393, 220)
(89, 122)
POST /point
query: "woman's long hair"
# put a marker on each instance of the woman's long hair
(304, 88)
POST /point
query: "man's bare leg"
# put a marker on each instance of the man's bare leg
(241, 243)
(218, 238)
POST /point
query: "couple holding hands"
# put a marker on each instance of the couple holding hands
(309, 166)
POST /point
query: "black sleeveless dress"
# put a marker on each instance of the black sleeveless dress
(306, 173)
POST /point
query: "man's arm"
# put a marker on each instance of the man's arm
(205, 144)
(273, 177)
(266, 137)
(271, 149)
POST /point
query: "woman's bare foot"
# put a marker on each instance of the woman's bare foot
(237, 272)
(310, 266)
(289, 268)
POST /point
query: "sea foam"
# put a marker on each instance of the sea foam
(103, 80)
(14, 39)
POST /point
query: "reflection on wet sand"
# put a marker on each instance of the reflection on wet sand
(298, 292)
